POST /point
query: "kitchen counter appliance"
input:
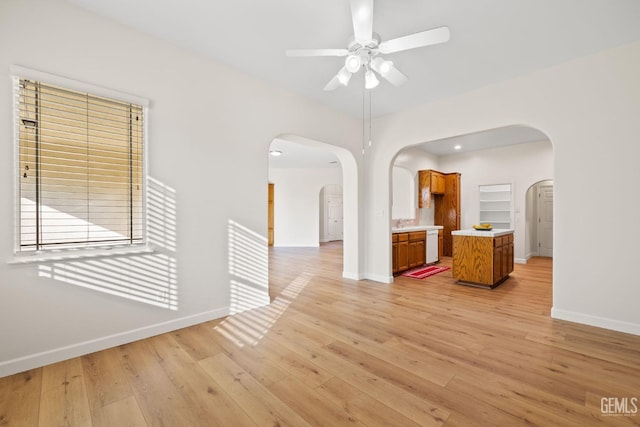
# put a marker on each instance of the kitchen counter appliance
(432, 246)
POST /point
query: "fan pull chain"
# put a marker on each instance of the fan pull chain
(364, 91)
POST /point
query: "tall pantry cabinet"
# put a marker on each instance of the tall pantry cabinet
(445, 201)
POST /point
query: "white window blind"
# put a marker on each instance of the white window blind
(80, 165)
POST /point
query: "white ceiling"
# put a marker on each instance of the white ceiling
(295, 155)
(510, 135)
(491, 40)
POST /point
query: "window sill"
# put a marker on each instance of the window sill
(71, 254)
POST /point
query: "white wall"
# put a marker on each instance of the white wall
(404, 193)
(589, 109)
(297, 203)
(414, 159)
(521, 165)
(209, 132)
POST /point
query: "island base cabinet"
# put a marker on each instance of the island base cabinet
(502, 256)
(482, 261)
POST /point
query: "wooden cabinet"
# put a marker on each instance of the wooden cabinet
(417, 248)
(403, 252)
(270, 217)
(394, 253)
(442, 190)
(424, 189)
(502, 256)
(408, 250)
(446, 211)
(482, 261)
(437, 183)
(430, 183)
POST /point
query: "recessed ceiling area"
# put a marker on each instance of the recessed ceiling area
(296, 155)
(501, 137)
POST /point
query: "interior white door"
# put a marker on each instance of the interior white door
(545, 220)
(334, 218)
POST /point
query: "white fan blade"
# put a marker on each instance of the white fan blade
(362, 16)
(390, 73)
(340, 79)
(395, 77)
(424, 38)
(316, 52)
(333, 84)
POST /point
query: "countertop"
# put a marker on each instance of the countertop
(496, 232)
(409, 228)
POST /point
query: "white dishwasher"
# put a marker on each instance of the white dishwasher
(432, 246)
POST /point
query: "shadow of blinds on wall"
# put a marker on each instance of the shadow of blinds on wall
(80, 169)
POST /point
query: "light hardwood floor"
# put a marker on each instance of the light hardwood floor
(330, 351)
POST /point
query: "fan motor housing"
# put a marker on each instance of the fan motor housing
(365, 51)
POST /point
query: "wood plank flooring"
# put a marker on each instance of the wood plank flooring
(330, 352)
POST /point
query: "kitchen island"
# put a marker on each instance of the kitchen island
(482, 258)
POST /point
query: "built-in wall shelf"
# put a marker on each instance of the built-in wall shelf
(495, 203)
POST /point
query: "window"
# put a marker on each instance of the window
(80, 169)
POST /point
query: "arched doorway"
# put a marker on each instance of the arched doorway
(331, 213)
(347, 164)
(517, 155)
(539, 219)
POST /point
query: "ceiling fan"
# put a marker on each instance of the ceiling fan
(365, 47)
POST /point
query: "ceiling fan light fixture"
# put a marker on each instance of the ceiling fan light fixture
(382, 66)
(385, 67)
(364, 46)
(370, 80)
(353, 63)
(344, 76)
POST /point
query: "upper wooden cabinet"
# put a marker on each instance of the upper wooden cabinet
(437, 183)
(429, 182)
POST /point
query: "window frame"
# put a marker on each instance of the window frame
(20, 256)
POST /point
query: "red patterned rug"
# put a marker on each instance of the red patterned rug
(422, 272)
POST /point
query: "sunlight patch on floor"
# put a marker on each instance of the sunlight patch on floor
(248, 328)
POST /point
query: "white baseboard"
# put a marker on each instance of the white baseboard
(520, 260)
(379, 278)
(352, 276)
(600, 322)
(37, 360)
